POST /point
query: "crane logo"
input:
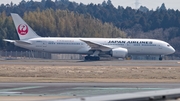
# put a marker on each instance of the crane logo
(22, 29)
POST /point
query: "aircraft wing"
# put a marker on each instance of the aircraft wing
(161, 95)
(17, 41)
(97, 46)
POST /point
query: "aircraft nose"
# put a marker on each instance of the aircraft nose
(173, 50)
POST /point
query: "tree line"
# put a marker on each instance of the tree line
(122, 18)
(57, 23)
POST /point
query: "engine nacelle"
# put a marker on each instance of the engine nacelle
(119, 52)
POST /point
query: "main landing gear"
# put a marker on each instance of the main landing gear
(92, 58)
(160, 57)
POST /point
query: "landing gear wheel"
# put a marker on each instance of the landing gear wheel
(160, 58)
(96, 58)
(87, 58)
(92, 58)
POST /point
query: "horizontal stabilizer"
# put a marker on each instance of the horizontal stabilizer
(11, 41)
(17, 41)
(22, 42)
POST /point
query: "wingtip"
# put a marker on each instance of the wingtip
(14, 14)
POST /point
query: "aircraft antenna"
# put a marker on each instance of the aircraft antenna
(137, 4)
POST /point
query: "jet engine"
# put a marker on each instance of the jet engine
(119, 52)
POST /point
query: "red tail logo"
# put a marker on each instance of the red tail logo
(22, 29)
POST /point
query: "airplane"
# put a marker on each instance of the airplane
(94, 48)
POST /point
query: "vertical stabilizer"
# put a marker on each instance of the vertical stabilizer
(23, 29)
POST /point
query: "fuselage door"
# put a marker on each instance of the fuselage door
(44, 45)
(41, 45)
(160, 47)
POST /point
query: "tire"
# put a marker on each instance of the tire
(92, 58)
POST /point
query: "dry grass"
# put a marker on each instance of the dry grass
(44, 73)
(29, 98)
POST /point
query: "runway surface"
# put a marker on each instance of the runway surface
(54, 91)
(172, 63)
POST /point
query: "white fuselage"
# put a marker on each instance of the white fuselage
(76, 46)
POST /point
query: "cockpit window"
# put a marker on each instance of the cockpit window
(168, 45)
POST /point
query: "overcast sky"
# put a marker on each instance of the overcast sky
(151, 4)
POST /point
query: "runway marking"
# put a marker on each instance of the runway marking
(101, 88)
(11, 92)
(20, 88)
